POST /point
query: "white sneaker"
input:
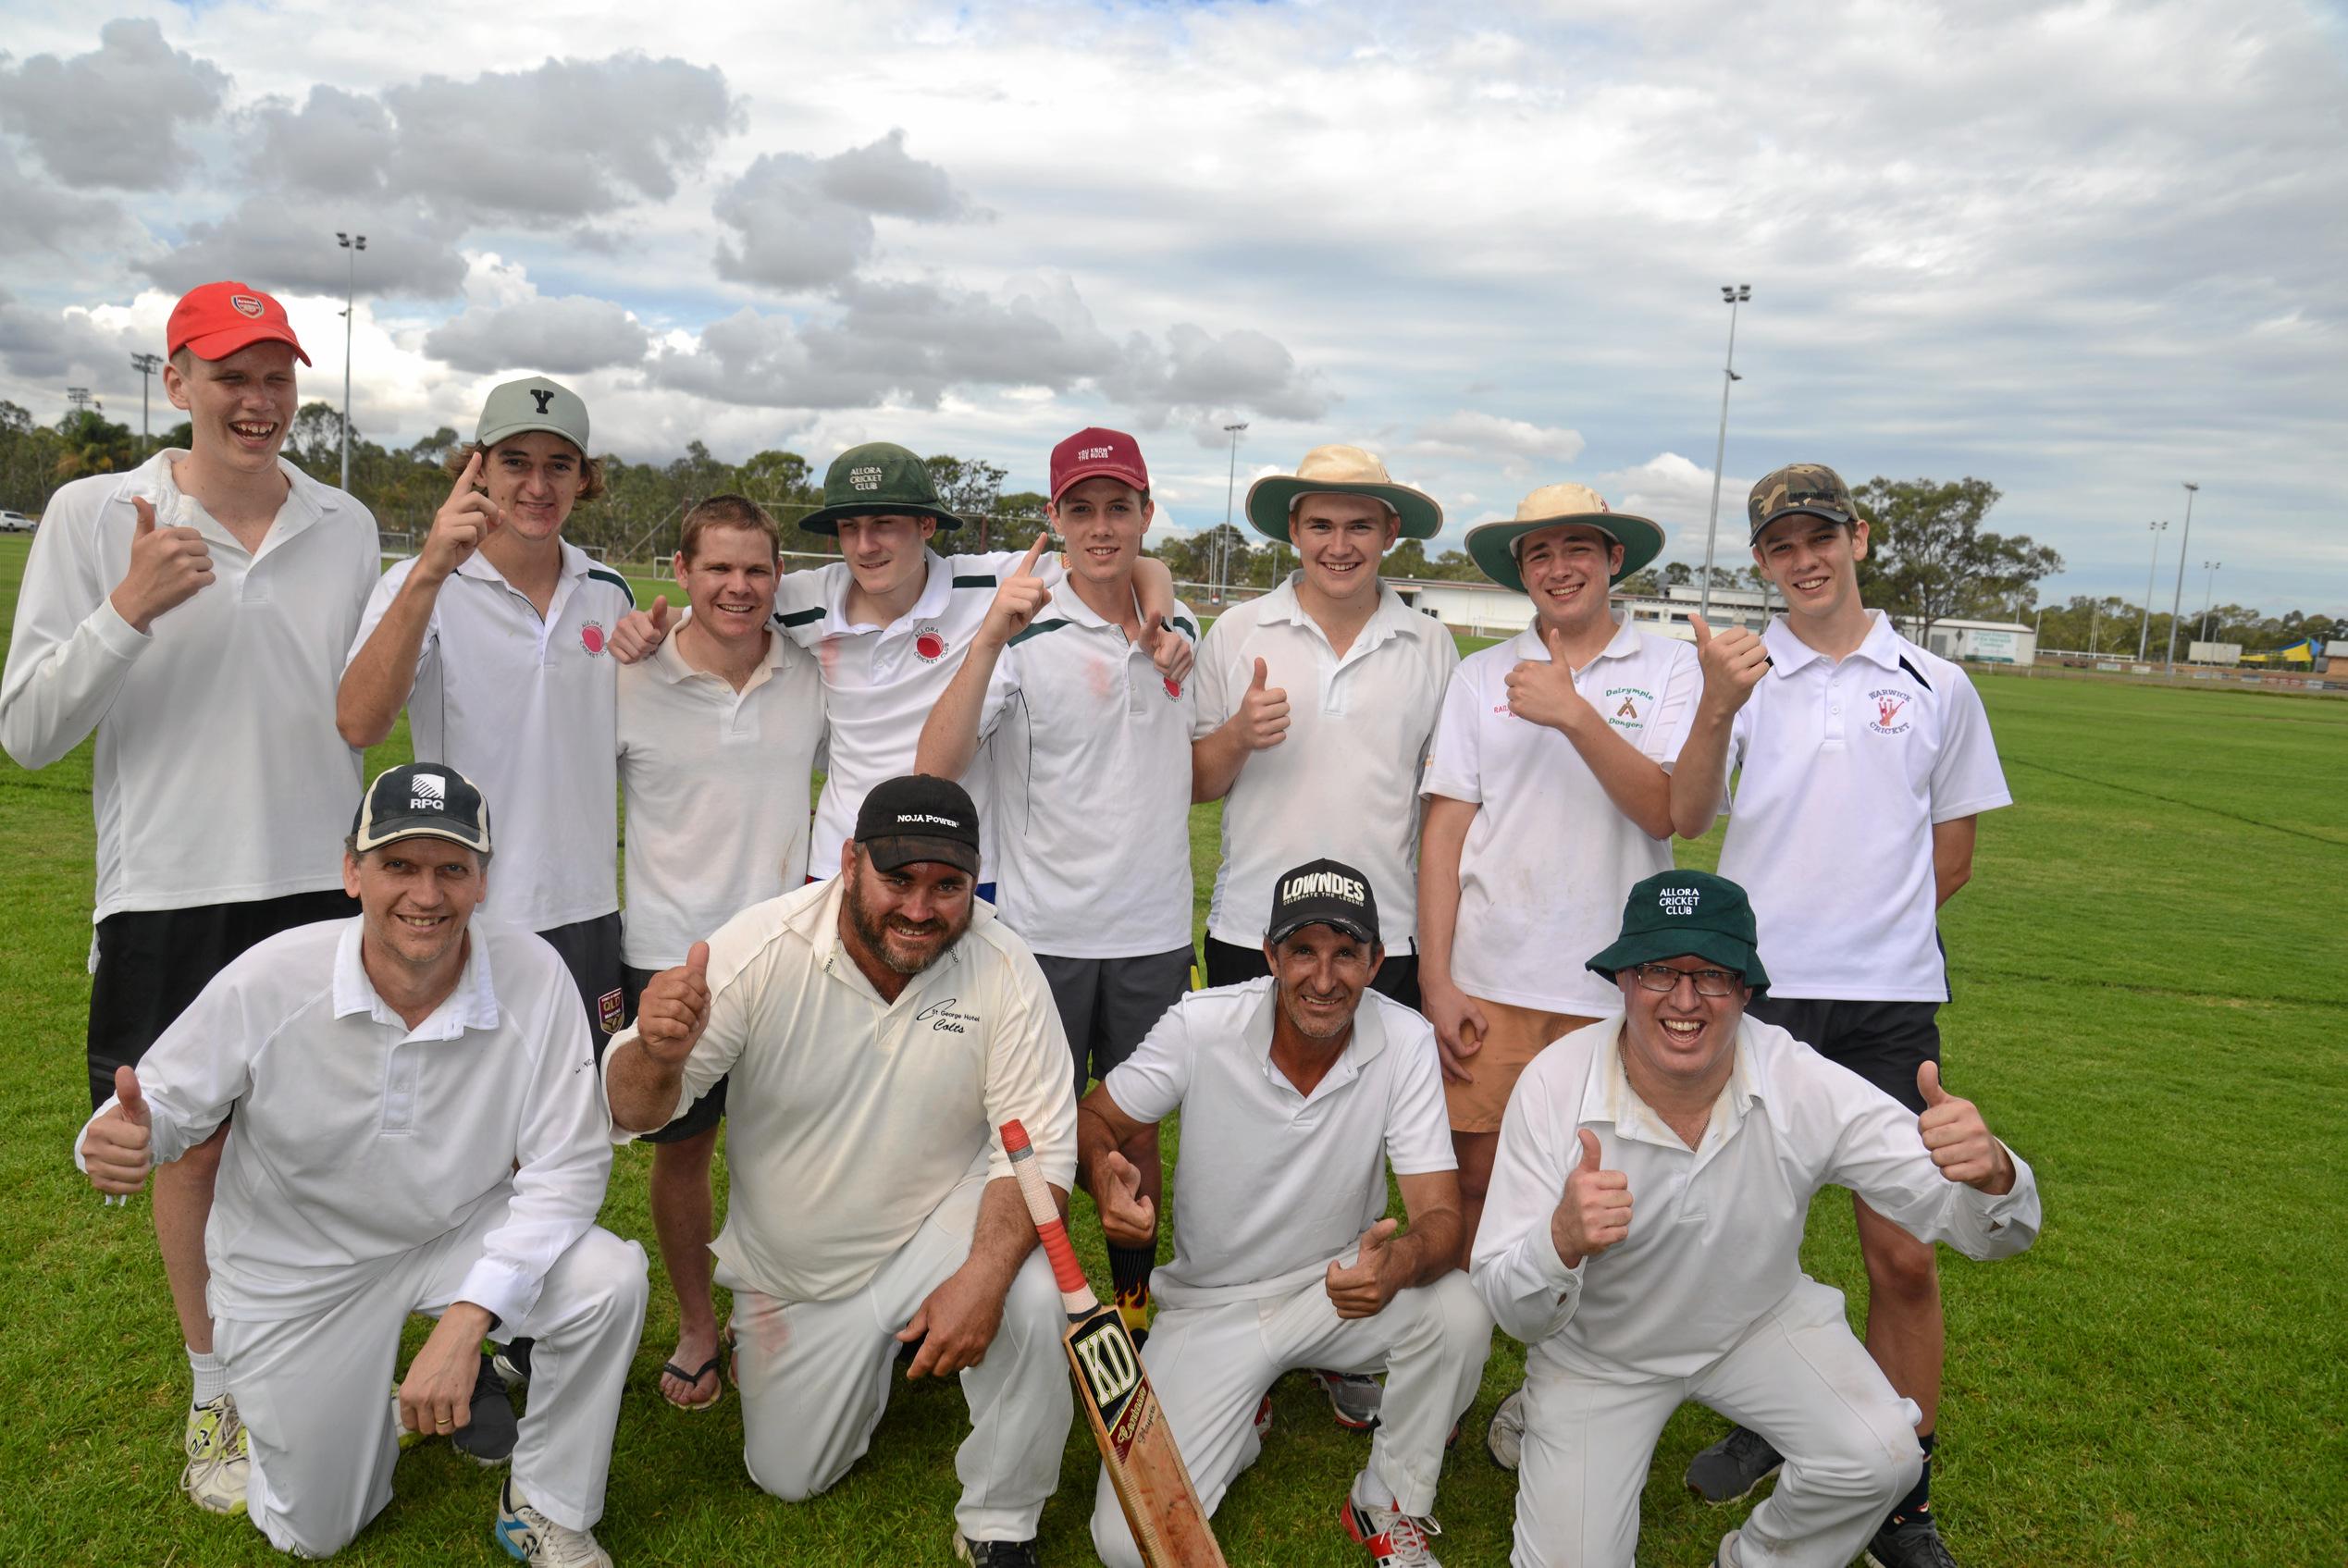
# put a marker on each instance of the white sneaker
(539, 1541)
(1505, 1436)
(1395, 1540)
(219, 1457)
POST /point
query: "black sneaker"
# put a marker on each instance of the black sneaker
(1911, 1542)
(513, 1361)
(1731, 1469)
(996, 1554)
(489, 1436)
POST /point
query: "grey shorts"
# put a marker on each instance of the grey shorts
(1107, 1005)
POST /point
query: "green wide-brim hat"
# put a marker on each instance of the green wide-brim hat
(1492, 546)
(1682, 914)
(876, 479)
(1345, 471)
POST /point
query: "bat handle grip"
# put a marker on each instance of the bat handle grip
(1075, 1292)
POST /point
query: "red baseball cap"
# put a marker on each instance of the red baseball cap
(215, 320)
(1097, 454)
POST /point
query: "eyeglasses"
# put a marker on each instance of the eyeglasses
(1709, 983)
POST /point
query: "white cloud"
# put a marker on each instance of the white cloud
(112, 117)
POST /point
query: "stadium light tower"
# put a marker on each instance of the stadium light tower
(80, 398)
(2208, 592)
(146, 365)
(1733, 296)
(1221, 555)
(2177, 601)
(2145, 630)
(353, 244)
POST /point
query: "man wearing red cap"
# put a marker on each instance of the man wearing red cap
(194, 612)
(1092, 783)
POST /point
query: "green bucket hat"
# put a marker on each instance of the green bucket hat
(1347, 471)
(1492, 546)
(1680, 914)
(877, 478)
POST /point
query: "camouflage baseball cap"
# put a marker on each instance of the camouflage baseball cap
(877, 479)
(1811, 488)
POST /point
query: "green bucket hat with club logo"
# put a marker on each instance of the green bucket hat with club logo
(878, 478)
(1686, 914)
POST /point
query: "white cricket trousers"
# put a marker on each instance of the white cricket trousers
(1798, 1377)
(814, 1379)
(316, 1391)
(1212, 1365)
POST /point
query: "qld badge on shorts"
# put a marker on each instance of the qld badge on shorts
(612, 1010)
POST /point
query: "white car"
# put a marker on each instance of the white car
(16, 522)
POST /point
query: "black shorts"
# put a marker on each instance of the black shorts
(1107, 1005)
(153, 962)
(590, 950)
(1227, 964)
(705, 1112)
(1884, 1042)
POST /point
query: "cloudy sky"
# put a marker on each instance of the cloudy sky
(2084, 250)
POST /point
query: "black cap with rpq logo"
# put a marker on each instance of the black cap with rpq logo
(422, 800)
(919, 817)
(1322, 893)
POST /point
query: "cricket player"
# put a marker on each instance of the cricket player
(1297, 1092)
(192, 613)
(719, 730)
(877, 1027)
(1092, 784)
(1858, 751)
(418, 1129)
(1643, 1238)
(891, 622)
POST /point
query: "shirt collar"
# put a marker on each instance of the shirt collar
(576, 564)
(1608, 1096)
(1527, 644)
(818, 922)
(473, 1005)
(937, 591)
(673, 667)
(306, 500)
(1390, 617)
(1362, 1046)
(1788, 653)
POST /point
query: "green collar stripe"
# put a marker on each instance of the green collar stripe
(801, 617)
(976, 580)
(1038, 629)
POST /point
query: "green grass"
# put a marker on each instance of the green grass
(2152, 974)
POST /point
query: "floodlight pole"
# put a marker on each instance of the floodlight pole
(146, 365)
(1734, 295)
(353, 244)
(2145, 630)
(2209, 594)
(2184, 542)
(1221, 555)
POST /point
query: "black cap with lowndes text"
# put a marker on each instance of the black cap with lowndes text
(422, 800)
(919, 817)
(1687, 915)
(1322, 893)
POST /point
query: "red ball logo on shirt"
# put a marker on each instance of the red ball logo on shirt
(929, 644)
(591, 636)
(1173, 686)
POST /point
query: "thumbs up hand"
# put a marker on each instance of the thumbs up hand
(1127, 1218)
(1017, 597)
(1544, 693)
(118, 1149)
(676, 1008)
(639, 632)
(1263, 712)
(1362, 1288)
(168, 567)
(1596, 1210)
(1733, 662)
(1959, 1140)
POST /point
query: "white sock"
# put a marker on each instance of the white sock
(211, 1376)
(1371, 1492)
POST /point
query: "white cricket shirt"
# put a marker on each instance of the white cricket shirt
(1343, 781)
(717, 788)
(883, 681)
(359, 1140)
(1716, 1231)
(1846, 767)
(1549, 857)
(850, 1118)
(1091, 787)
(1272, 1186)
(219, 776)
(527, 708)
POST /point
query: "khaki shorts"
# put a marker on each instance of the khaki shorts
(1512, 1037)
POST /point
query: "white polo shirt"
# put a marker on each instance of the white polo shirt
(717, 788)
(359, 1140)
(883, 681)
(1846, 767)
(1716, 1241)
(1272, 1185)
(1343, 781)
(219, 776)
(527, 708)
(1091, 787)
(850, 1118)
(1549, 857)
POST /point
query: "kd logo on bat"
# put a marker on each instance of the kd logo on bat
(1111, 1371)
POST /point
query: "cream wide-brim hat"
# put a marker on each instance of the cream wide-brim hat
(1492, 546)
(1338, 470)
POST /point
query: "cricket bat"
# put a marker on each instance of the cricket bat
(1152, 1484)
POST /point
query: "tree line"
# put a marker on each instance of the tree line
(1930, 557)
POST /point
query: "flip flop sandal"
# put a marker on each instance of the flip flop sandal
(693, 1379)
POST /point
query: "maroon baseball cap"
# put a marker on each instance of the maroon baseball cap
(215, 320)
(1097, 454)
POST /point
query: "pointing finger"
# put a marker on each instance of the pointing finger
(469, 478)
(1034, 554)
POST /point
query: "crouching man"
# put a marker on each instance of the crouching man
(878, 1027)
(418, 1129)
(1296, 1092)
(1716, 1129)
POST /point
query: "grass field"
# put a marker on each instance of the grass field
(2152, 978)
